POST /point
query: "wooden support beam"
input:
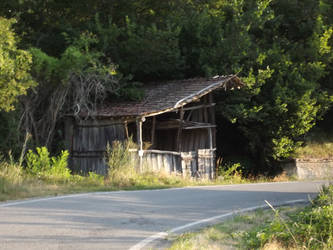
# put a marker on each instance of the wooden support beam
(179, 134)
(200, 126)
(212, 117)
(139, 139)
(126, 129)
(170, 124)
(153, 132)
(188, 118)
(200, 106)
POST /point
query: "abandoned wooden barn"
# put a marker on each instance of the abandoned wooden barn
(176, 119)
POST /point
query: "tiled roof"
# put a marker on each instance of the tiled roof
(163, 97)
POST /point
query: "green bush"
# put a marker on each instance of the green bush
(229, 172)
(40, 164)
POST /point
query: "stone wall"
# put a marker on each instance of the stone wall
(309, 169)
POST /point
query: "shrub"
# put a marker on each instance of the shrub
(40, 164)
(229, 172)
(121, 170)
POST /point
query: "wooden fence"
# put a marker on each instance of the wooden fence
(196, 164)
(199, 164)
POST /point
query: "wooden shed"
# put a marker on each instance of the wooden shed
(176, 119)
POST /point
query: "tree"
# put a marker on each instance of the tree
(14, 67)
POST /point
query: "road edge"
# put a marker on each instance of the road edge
(38, 199)
(215, 219)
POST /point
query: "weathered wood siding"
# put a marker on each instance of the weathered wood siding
(206, 163)
(189, 164)
(194, 139)
(196, 164)
(156, 160)
(199, 164)
(89, 141)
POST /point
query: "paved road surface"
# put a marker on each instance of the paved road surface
(121, 220)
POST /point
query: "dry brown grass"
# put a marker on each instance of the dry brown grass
(275, 245)
(315, 150)
(318, 144)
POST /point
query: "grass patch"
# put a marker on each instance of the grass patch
(45, 175)
(318, 144)
(230, 233)
(296, 227)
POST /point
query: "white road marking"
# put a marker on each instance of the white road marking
(162, 235)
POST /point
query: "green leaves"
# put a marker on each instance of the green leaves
(41, 165)
(14, 67)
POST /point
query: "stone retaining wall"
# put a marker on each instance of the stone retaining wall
(305, 169)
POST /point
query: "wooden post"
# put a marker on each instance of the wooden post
(153, 132)
(139, 139)
(212, 118)
(126, 129)
(179, 134)
(213, 131)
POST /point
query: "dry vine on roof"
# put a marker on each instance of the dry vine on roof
(82, 93)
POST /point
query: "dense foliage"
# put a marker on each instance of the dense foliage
(14, 67)
(282, 50)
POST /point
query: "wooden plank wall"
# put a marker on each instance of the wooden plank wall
(195, 164)
(206, 163)
(189, 164)
(194, 139)
(89, 142)
(156, 160)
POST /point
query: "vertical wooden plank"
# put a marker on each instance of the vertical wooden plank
(170, 162)
(189, 116)
(200, 111)
(148, 162)
(206, 164)
(183, 164)
(210, 138)
(195, 162)
(200, 164)
(155, 160)
(205, 111)
(159, 162)
(166, 166)
(174, 164)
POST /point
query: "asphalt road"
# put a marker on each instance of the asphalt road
(132, 219)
